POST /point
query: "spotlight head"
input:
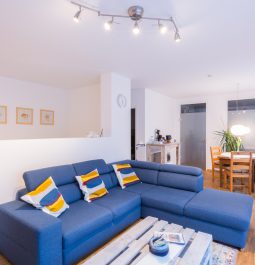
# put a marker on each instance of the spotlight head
(77, 15)
(177, 36)
(136, 29)
(162, 29)
(108, 25)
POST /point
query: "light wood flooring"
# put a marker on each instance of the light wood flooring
(245, 257)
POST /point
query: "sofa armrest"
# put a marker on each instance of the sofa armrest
(30, 232)
(181, 177)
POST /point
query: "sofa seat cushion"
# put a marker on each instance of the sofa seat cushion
(82, 220)
(139, 188)
(220, 207)
(119, 202)
(167, 199)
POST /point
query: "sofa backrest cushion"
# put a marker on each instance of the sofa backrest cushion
(71, 192)
(63, 176)
(104, 170)
(181, 181)
(174, 176)
(147, 175)
(181, 177)
(186, 170)
(146, 172)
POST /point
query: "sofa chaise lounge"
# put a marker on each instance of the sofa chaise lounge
(174, 193)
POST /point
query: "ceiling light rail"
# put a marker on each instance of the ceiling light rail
(135, 13)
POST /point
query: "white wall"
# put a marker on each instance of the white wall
(106, 108)
(15, 93)
(85, 111)
(77, 111)
(160, 113)
(216, 115)
(17, 156)
(153, 111)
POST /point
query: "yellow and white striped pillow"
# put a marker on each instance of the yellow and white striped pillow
(92, 186)
(125, 174)
(47, 198)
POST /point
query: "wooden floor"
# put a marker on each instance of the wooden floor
(245, 257)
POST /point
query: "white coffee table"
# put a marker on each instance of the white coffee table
(132, 247)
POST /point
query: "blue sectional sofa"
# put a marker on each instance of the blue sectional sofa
(173, 193)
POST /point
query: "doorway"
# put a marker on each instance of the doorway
(133, 133)
(193, 135)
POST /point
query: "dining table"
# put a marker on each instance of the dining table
(224, 160)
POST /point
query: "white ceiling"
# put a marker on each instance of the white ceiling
(41, 43)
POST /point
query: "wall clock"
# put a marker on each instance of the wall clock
(121, 101)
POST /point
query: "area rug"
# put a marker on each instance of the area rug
(223, 255)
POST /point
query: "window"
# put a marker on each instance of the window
(193, 108)
(243, 112)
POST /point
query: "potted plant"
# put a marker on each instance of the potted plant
(229, 142)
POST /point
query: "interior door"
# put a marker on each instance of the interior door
(193, 135)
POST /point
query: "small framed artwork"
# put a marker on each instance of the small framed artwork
(46, 117)
(24, 116)
(3, 114)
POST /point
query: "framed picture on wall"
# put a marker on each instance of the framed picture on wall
(3, 114)
(46, 117)
(24, 116)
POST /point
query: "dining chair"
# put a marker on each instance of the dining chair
(240, 168)
(215, 152)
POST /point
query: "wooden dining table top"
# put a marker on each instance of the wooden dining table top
(227, 155)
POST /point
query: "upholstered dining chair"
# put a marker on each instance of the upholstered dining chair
(215, 152)
(240, 168)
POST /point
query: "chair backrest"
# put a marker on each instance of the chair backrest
(215, 152)
(241, 161)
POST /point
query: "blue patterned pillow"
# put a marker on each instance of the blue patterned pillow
(126, 175)
(92, 186)
(47, 198)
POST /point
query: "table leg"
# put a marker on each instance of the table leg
(221, 174)
(177, 155)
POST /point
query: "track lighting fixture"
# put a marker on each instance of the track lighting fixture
(177, 36)
(108, 25)
(162, 28)
(77, 15)
(134, 13)
(136, 29)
